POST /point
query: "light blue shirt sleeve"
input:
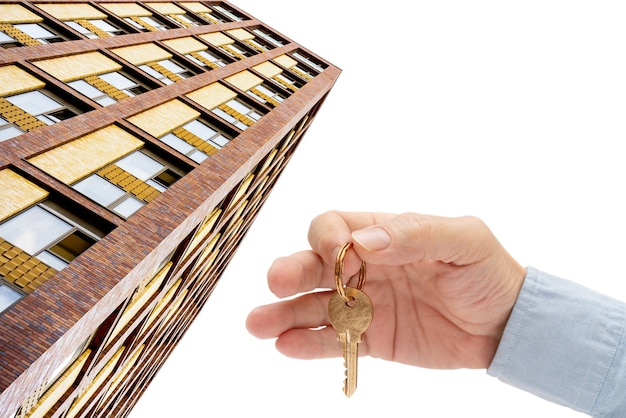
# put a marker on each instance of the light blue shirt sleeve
(565, 343)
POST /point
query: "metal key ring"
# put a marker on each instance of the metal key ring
(339, 272)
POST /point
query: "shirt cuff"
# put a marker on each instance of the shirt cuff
(563, 342)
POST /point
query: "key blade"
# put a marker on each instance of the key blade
(350, 340)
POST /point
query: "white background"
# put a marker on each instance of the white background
(511, 111)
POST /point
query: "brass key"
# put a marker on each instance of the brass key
(350, 312)
(350, 320)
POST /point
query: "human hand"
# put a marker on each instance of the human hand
(442, 289)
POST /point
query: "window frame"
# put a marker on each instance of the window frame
(184, 73)
(57, 37)
(87, 33)
(126, 197)
(49, 115)
(51, 243)
(137, 88)
(14, 289)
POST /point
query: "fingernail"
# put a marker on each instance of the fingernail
(374, 238)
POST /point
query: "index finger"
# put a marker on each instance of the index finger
(300, 272)
(330, 230)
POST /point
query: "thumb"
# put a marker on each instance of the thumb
(412, 237)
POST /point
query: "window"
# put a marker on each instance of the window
(27, 34)
(108, 88)
(206, 58)
(286, 81)
(266, 95)
(311, 62)
(7, 130)
(166, 71)
(31, 110)
(146, 23)
(183, 20)
(235, 51)
(126, 202)
(8, 295)
(47, 235)
(269, 37)
(96, 28)
(41, 105)
(228, 13)
(238, 113)
(213, 139)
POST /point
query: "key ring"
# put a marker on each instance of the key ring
(339, 272)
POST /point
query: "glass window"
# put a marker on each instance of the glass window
(105, 26)
(207, 133)
(129, 206)
(52, 260)
(8, 296)
(198, 156)
(239, 107)
(90, 91)
(42, 106)
(200, 129)
(227, 13)
(153, 22)
(5, 38)
(100, 190)
(34, 102)
(140, 165)
(184, 148)
(85, 88)
(177, 143)
(8, 131)
(35, 31)
(118, 80)
(77, 27)
(268, 36)
(209, 57)
(154, 73)
(172, 66)
(308, 61)
(34, 229)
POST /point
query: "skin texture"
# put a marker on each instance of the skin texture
(442, 289)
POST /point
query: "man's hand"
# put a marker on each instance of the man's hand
(442, 289)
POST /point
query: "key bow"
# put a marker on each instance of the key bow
(341, 255)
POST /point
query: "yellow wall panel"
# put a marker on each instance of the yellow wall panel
(65, 11)
(185, 45)
(268, 69)
(212, 95)
(72, 161)
(217, 39)
(17, 193)
(241, 34)
(14, 80)
(58, 389)
(285, 61)
(139, 300)
(75, 67)
(164, 118)
(166, 8)
(196, 7)
(95, 384)
(15, 13)
(142, 54)
(126, 9)
(244, 80)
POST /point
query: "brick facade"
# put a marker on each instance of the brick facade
(79, 343)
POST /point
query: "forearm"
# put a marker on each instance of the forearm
(563, 342)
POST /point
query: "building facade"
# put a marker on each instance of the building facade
(138, 141)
